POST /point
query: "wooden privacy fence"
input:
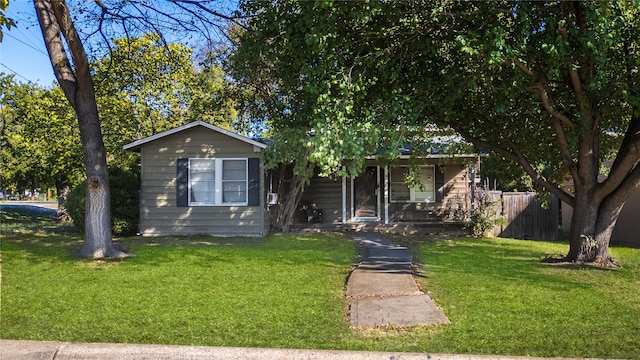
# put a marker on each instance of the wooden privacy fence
(524, 217)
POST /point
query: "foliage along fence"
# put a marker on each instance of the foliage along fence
(524, 217)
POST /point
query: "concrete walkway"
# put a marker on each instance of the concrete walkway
(382, 290)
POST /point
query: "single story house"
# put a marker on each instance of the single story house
(202, 179)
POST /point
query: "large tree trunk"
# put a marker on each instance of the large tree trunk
(97, 243)
(598, 204)
(607, 219)
(583, 227)
(592, 225)
(77, 85)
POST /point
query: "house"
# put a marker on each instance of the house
(627, 228)
(202, 179)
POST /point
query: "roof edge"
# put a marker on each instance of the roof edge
(435, 156)
(133, 146)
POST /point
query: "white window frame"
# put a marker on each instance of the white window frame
(218, 183)
(413, 190)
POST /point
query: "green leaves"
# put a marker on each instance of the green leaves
(145, 86)
(530, 81)
(39, 137)
(5, 22)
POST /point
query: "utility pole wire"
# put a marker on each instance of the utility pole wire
(15, 72)
(26, 44)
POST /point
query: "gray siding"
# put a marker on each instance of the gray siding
(456, 196)
(159, 214)
(326, 193)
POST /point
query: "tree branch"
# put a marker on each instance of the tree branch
(523, 67)
(204, 20)
(625, 161)
(518, 157)
(574, 75)
(558, 118)
(626, 187)
(549, 103)
(52, 35)
(558, 121)
(199, 5)
(67, 29)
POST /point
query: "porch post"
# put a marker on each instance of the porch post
(386, 194)
(344, 196)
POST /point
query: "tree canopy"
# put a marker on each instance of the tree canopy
(39, 138)
(551, 85)
(68, 33)
(145, 86)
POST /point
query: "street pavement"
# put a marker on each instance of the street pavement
(48, 207)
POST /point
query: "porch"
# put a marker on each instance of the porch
(401, 228)
(380, 200)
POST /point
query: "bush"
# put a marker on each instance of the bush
(124, 201)
(74, 203)
(486, 214)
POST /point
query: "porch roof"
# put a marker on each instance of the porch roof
(434, 150)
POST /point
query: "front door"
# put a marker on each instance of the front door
(365, 197)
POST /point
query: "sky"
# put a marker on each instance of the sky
(22, 51)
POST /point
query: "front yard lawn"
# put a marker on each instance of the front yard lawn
(285, 291)
(288, 291)
(502, 299)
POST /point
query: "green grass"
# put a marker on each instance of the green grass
(285, 291)
(501, 299)
(29, 218)
(288, 291)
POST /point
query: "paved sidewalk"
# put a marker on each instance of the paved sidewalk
(49, 350)
(382, 290)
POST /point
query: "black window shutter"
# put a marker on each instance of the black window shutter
(439, 174)
(182, 182)
(253, 197)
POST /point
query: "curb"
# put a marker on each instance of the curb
(36, 350)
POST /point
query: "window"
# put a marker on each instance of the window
(400, 192)
(202, 182)
(218, 181)
(234, 181)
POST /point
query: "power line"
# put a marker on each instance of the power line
(27, 34)
(13, 71)
(29, 45)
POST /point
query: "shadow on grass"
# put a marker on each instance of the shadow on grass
(498, 260)
(561, 263)
(31, 218)
(30, 227)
